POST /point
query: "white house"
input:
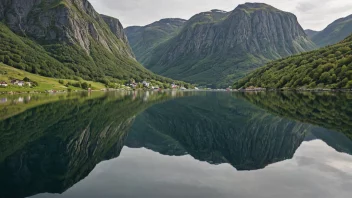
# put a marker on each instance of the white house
(3, 84)
(18, 82)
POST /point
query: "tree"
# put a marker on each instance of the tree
(85, 85)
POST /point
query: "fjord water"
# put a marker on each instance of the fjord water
(176, 144)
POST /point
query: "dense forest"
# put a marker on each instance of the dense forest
(329, 67)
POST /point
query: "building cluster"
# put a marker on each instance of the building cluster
(148, 85)
(16, 82)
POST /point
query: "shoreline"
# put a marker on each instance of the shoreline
(200, 90)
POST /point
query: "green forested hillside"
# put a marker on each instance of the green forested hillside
(329, 67)
(77, 44)
(67, 60)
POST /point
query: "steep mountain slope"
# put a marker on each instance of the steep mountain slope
(334, 33)
(311, 33)
(144, 39)
(65, 38)
(216, 47)
(329, 67)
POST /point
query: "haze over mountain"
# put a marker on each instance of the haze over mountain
(334, 33)
(214, 48)
(66, 39)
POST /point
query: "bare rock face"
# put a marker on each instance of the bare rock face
(217, 46)
(116, 28)
(71, 21)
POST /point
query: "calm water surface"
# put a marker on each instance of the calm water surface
(176, 144)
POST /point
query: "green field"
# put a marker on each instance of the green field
(44, 83)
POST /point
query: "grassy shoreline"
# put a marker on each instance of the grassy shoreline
(44, 83)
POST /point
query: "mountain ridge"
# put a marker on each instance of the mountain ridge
(213, 48)
(144, 39)
(334, 32)
(67, 39)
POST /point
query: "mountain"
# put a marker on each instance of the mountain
(334, 33)
(214, 48)
(311, 33)
(329, 67)
(66, 39)
(144, 39)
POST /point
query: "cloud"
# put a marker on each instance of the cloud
(312, 14)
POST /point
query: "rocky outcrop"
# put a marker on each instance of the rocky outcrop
(70, 40)
(70, 21)
(217, 45)
(117, 28)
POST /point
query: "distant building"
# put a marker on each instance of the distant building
(3, 84)
(18, 82)
(174, 86)
(133, 85)
(146, 84)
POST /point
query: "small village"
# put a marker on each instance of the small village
(15, 82)
(148, 85)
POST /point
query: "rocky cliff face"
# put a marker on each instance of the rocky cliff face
(72, 21)
(334, 33)
(117, 28)
(144, 39)
(216, 46)
(70, 39)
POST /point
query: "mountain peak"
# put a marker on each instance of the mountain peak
(168, 20)
(252, 7)
(216, 10)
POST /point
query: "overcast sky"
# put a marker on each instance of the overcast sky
(312, 14)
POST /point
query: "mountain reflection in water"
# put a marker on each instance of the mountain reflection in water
(53, 146)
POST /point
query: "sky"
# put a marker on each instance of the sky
(312, 14)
